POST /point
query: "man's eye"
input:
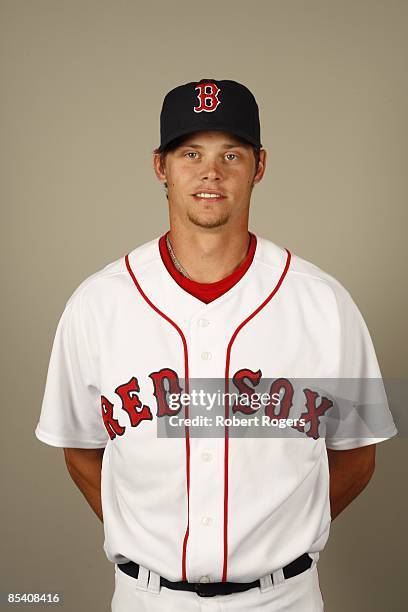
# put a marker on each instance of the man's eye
(194, 154)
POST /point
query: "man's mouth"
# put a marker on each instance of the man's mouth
(208, 195)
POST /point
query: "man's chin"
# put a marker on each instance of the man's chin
(208, 222)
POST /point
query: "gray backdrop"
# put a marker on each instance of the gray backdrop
(82, 86)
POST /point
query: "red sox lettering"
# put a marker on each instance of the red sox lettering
(315, 404)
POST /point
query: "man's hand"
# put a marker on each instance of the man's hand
(85, 466)
(350, 472)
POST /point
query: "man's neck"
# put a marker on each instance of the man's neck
(209, 255)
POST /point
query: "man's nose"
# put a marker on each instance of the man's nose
(211, 170)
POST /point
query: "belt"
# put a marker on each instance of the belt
(294, 568)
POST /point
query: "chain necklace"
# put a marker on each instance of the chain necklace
(174, 259)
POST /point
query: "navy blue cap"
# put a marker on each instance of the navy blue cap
(209, 104)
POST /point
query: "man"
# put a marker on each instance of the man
(221, 521)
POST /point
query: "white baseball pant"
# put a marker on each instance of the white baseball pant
(300, 593)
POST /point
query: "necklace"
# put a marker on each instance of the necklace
(174, 258)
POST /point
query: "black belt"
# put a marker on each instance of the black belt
(209, 589)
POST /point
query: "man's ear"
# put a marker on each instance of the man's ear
(261, 166)
(158, 167)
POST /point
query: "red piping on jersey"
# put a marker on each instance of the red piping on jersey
(186, 373)
(226, 441)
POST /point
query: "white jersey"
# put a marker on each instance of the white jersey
(194, 508)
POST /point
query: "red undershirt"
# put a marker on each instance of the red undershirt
(207, 292)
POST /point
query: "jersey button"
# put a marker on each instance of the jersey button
(206, 520)
(206, 355)
(205, 579)
(206, 456)
(203, 322)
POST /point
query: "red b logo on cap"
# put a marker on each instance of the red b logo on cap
(207, 96)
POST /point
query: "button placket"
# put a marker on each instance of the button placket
(203, 323)
(206, 508)
(205, 536)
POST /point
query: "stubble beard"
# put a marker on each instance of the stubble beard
(197, 220)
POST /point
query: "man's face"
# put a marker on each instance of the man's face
(210, 177)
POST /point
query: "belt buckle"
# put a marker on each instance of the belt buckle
(205, 589)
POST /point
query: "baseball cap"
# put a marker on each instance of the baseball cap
(209, 104)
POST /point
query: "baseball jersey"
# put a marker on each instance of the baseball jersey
(214, 508)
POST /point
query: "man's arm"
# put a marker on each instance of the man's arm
(350, 472)
(85, 466)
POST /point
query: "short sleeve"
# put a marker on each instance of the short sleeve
(70, 413)
(362, 413)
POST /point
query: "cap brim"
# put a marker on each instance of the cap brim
(218, 128)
